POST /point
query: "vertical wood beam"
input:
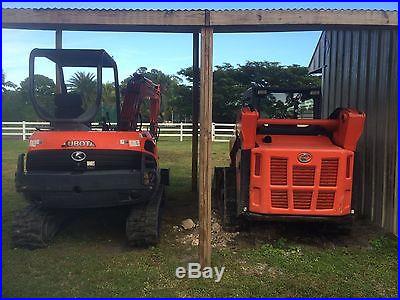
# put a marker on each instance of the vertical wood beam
(195, 110)
(206, 80)
(58, 46)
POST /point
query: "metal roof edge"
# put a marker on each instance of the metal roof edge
(198, 10)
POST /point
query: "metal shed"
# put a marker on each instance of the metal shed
(359, 69)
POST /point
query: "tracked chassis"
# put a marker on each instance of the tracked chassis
(55, 195)
(34, 227)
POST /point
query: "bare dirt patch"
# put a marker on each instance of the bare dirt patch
(219, 238)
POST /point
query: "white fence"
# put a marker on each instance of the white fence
(220, 132)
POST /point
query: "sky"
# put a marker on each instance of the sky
(167, 52)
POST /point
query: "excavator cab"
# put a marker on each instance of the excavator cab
(70, 109)
(72, 165)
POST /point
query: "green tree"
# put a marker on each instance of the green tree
(230, 82)
(108, 101)
(168, 86)
(181, 104)
(85, 84)
(6, 85)
(16, 105)
(108, 93)
(44, 91)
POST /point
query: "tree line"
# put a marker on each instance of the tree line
(228, 85)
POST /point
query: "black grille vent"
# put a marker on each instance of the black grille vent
(60, 160)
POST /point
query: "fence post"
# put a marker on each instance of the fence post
(181, 134)
(23, 131)
(213, 132)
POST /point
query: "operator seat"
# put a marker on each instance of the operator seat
(68, 106)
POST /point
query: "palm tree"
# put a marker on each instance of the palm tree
(84, 84)
(5, 85)
(108, 96)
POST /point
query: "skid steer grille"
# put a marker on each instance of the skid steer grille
(303, 176)
(310, 186)
(278, 171)
(329, 170)
(279, 199)
(325, 199)
(302, 199)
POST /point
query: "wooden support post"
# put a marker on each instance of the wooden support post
(58, 46)
(195, 110)
(206, 80)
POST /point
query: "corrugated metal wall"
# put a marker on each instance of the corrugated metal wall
(359, 69)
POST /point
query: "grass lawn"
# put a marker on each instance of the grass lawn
(90, 259)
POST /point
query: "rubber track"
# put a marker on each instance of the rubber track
(34, 228)
(143, 222)
(224, 197)
(229, 218)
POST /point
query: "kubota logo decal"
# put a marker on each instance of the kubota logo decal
(77, 143)
(78, 155)
(304, 157)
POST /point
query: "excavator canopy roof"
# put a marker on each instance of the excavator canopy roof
(77, 57)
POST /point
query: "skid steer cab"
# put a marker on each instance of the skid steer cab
(289, 168)
(71, 164)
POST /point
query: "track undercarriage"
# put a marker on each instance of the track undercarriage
(34, 227)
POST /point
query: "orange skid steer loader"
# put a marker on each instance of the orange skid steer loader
(288, 169)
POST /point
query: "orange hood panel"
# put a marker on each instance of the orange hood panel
(102, 140)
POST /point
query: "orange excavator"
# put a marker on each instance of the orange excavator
(72, 165)
(289, 168)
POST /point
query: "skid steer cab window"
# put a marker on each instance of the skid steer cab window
(278, 103)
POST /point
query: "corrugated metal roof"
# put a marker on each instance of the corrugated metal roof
(99, 9)
(211, 10)
(189, 20)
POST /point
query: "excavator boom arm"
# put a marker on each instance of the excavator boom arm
(138, 89)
